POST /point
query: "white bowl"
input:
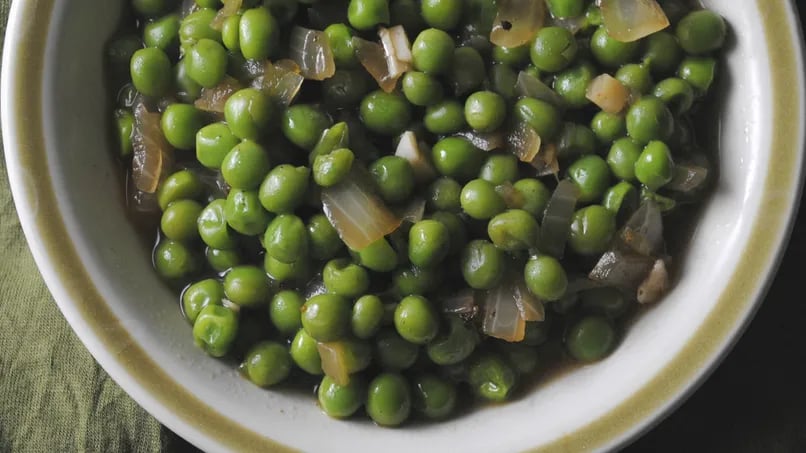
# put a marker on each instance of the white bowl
(67, 190)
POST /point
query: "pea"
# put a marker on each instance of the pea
(283, 189)
(592, 228)
(212, 226)
(457, 233)
(442, 14)
(700, 32)
(445, 117)
(621, 199)
(231, 33)
(416, 320)
(553, 49)
(699, 72)
(297, 272)
(676, 93)
(610, 52)
(196, 26)
(267, 364)
(455, 345)
(248, 113)
(514, 230)
(622, 158)
(385, 113)
(183, 184)
(443, 195)
(433, 396)
(331, 169)
(283, 10)
(378, 256)
(151, 8)
(565, 9)
(457, 158)
(178, 222)
(245, 166)
(523, 358)
(163, 33)
(432, 51)
(368, 312)
(367, 14)
(608, 302)
(215, 330)
(393, 352)
(151, 72)
(213, 143)
(655, 167)
(244, 213)
(635, 77)
(199, 295)
(502, 80)
(124, 120)
(286, 239)
(247, 286)
(343, 278)
(608, 127)
(346, 88)
(222, 260)
(480, 200)
(545, 277)
(305, 354)
(413, 280)
(575, 140)
(591, 175)
(662, 52)
(331, 139)
(539, 115)
(421, 89)
(649, 119)
(491, 377)
(394, 178)
(326, 317)
(389, 399)
(407, 14)
(511, 56)
(323, 238)
(259, 34)
(340, 38)
(429, 243)
(535, 196)
(466, 72)
(485, 111)
(207, 62)
(590, 339)
(340, 401)
(303, 125)
(572, 84)
(537, 333)
(285, 311)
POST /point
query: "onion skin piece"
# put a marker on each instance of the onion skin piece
(408, 148)
(643, 232)
(531, 86)
(631, 20)
(608, 93)
(214, 99)
(334, 362)
(623, 270)
(152, 156)
(280, 81)
(502, 318)
(230, 8)
(656, 284)
(524, 142)
(517, 22)
(485, 141)
(557, 219)
(310, 49)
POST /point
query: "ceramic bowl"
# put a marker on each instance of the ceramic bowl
(67, 192)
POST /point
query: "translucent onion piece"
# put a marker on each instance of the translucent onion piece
(334, 361)
(517, 22)
(359, 216)
(688, 178)
(213, 99)
(462, 303)
(623, 270)
(373, 59)
(310, 49)
(397, 50)
(557, 218)
(608, 93)
(546, 162)
(631, 20)
(138, 201)
(230, 8)
(413, 212)
(281, 81)
(524, 142)
(530, 307)
(655, 285)
(513, 198)
(531, 86)
(153, 155)
(643, 232)
(502, 318)
(408, 148)
(572, 24)
(485, 141)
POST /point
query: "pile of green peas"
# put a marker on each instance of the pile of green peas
(266, 279)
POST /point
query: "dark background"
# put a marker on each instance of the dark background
(755, 402)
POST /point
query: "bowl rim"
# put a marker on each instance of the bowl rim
(132, 368)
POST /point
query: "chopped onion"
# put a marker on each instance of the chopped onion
(572, 24)
(485, 141)
(524, 142)
(408, 148)
(281, 81)
(655, 285)
(631, 20)
(138, 201)
(230, 8)
(502, 318)
(334, 361)
(688, 178)
(557, 218)
(310, 49)
(153, 155)
(512, 197)
(608, 93)
(546, 162)
(213, 99)
(462, 303)
(530, 307)
(622, 270)
(359, 216)
(643, 232)
(373, 58)
(517, 22)
(413, 212)
(396, 49)
(531, 86)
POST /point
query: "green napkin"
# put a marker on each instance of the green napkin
(53, 396)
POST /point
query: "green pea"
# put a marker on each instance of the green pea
(197, 26)
(700, 32)
(545, 277)
(655, 167)
(432, 51)
(523, 358)
(324, 239)
(499, 169)
(442, 14)
(591, 175)
(207, 62)
(553, 49)
(502, 80)
(208, 3)
(183, 184)
(665, 204)
(445, 117)
(124, 120)
(285, 311)
(340, 401)
(467, 71)
(416, 320)
(590, 339)
(676, 93)
(346, 89)
(393, 352)
(283, 10)
(367, 317)
(491, 378)
(622, 158)
(245, 166)
(457, 233)
(457, 158)
(231, 33)
(662, 52)
(305, 354)
(222, 260)
(621, 199)
(565, 9)
(575, 140)
(413, 280)
(434, 397)
(649, 119)
(511, 56)
(330, 140)
(213, 228)
(286, 239)
(455, 345)
(610, 52)
(513, 230)
(429, 243)
(378, 256)
(119, 54)
(367, 14)
(248, 113)
(178, 222)
(572, 84)
(535, 196)
(699, 72)
(340, 38)
(608, 302)
(608, 127)
(213, 143)
(443, 195)
(303, 125)
(326, 317)
(539, 115)
(151, 72)
(163, 33)
(394, 178)
(485, 111)
(389, 399)
(247, 286)
(343, 278)
(199, 295)
(331, 169)
(421, 89)
(537, 333)
(296, 272)
(151, 8)
(267, 364)
(259, 34)
(215, 330)
(385, 113)
(592, 228)
(480, 200)
(180, 124)
(283, 189)
(244, 213)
